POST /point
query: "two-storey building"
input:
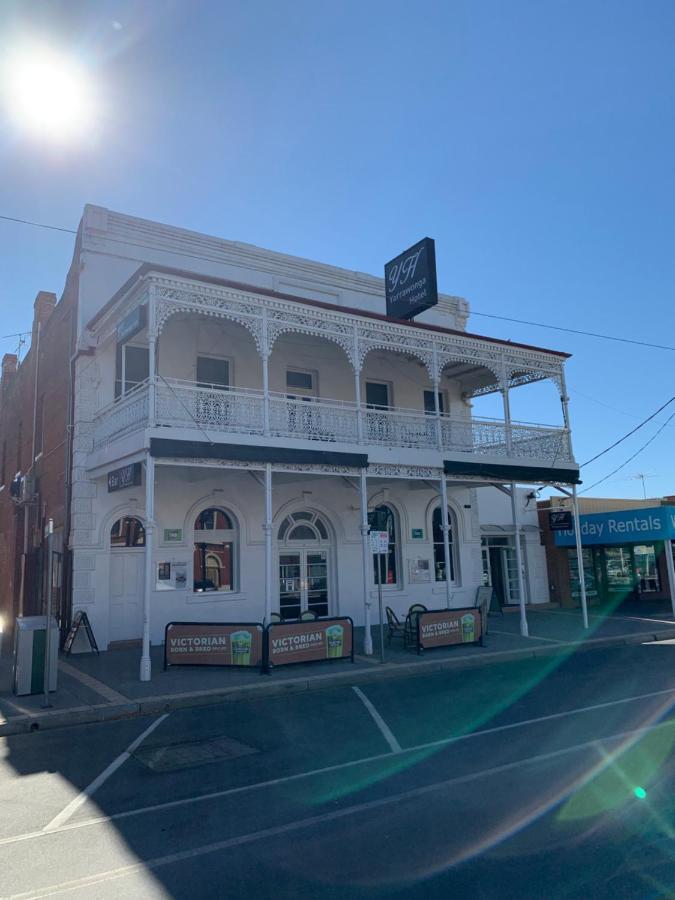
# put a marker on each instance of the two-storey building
(237, 415)
(231, 417)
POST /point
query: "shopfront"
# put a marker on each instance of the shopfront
(625, 555)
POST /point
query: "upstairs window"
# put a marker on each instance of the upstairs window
(213, 372)
(300, 383)
(132, 369)
(377, 395)
(429, 405)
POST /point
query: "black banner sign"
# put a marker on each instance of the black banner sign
(560, 520)
(410, 281)
(127, 476)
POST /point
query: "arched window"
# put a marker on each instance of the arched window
(439, 550)
(127, 532)
(385, 519)
(303, 526)
(215, 547)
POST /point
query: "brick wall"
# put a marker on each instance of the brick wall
(50, 354)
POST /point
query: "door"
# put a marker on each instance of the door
(303, 583)
(126, 595)
(497, 573)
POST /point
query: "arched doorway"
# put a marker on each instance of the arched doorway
(304, 565)
(127, 568)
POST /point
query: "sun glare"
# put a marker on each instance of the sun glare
(47, 94)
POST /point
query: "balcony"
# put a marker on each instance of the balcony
(238, 411)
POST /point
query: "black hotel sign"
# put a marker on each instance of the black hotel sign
(410, 281)
(127, 476)
(560, 520)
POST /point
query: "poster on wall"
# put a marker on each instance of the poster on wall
(171, 576)
(419, 571)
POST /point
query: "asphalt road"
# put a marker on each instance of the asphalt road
(538, 779)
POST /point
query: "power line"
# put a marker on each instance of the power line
(632, 431)
(17, 334)
(595, 334)
(631, 458)
(37, 224)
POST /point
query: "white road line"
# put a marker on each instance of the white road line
(611, 616)
(534, 637)
(387, 733)
(285, 779)
(91, 789)
(93, 683)
(266, 833)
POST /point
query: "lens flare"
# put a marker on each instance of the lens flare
(47, 94)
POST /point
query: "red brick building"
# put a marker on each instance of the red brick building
(35, 453)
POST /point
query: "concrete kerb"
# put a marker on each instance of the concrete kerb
(85, 715)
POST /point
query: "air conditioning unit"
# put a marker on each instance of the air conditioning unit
(27, 488)
(22, 488)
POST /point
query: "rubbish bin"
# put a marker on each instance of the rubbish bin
(29, 654)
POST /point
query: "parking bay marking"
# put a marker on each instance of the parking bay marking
(298, 824)
(387, 733)
(59, 820)
(285, 779)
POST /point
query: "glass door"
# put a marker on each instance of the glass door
(303, 583)
(290, 594)
(316, 581)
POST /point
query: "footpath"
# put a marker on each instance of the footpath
(97, 688)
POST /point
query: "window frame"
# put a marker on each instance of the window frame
(212, 385)
(127, 519)
(218, 537)
(439, 546)
(120, 388)
(394, 552)
(300, 391)
(443, 402)
(376, 406)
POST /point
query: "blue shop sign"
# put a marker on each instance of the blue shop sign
(625, 526)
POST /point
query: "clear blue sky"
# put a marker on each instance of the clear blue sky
(534, 141)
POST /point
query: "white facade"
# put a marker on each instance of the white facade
(498, 545)
(275, 386)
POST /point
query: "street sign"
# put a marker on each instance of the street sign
(379, 541)
(410, 281)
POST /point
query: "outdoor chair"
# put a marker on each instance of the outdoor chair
(394, 625)
(410, 633)
(307, 616)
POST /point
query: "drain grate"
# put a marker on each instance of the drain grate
(170, 757)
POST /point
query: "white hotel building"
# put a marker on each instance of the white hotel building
(271, 404)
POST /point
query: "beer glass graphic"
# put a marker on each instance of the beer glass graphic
(468, 628)
(334, 641)
(240, 644)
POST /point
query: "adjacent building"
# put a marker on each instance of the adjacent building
(233, 417)
(627, 551)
